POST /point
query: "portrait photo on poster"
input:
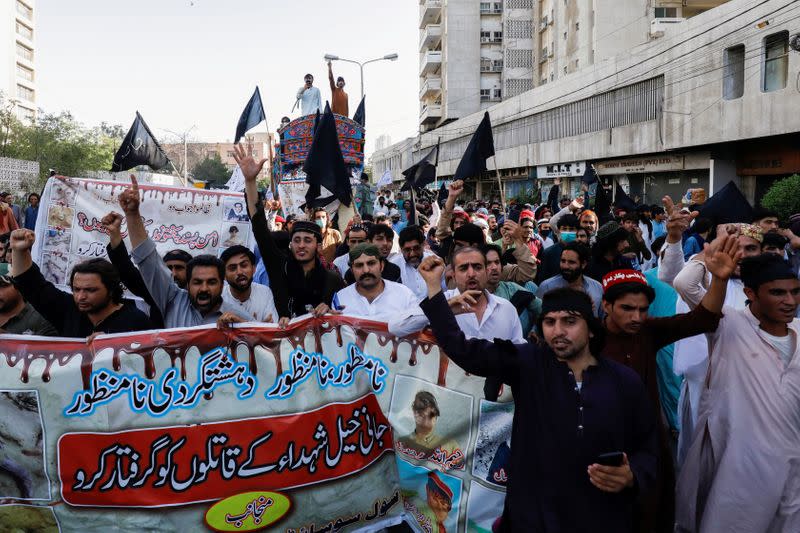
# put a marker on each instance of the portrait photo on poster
(22, 462)
(431, 423)
(233, 210)
(431, 497)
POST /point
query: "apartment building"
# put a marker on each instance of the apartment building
(475, 53)
(17, 56)
(192, 153)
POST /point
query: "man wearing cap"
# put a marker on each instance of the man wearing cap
(201, 302)
(742, 471)
(611, 241)
(371, 296)
(633, 339)
(17, 316)
(299, 282)
(572, 406)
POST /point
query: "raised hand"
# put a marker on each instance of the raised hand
(576, 204)
(112, 222)
(516, 232)
(22, 240)
(247, 163)
(431, 269)
(129, 198)
(464, 302)
(455, 188)
(722, 256)
(677, 220)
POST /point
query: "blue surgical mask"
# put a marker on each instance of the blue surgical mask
(321, 223)
(567, 236)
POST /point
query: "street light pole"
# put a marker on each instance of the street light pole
(387, 57)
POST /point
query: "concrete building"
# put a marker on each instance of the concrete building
(195, 152)
(382, 141)
(476, 53)
(712, 102)
(17, 56)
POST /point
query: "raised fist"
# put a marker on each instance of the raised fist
(22, 239)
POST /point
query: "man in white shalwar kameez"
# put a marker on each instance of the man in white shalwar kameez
(742, 471)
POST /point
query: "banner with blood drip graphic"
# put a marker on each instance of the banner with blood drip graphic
(331, 424)
(68, 228)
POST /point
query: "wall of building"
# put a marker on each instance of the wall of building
(18, 55)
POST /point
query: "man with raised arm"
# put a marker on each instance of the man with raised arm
(201, 302)
(575, 410)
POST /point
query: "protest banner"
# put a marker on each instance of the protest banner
(68, 228)
(331, 424)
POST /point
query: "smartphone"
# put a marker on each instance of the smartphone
(610, 459)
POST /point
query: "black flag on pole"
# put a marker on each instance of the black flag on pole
(324, 166)
(622, 200)
(423, 172)
(360, 115)
(590, 174)
(252, 115)
(479, 149)
(602, 204)
(727, 205)
(139, 147)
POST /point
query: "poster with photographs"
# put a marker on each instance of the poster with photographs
(484, 508)
(493, 445)
(431, 497)
(22, 461)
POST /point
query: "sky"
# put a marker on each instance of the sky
(195, 63)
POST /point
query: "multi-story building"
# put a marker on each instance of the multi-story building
(192, 153)
(474, 53)
(710, 100)
(17, 56)
(382, 141)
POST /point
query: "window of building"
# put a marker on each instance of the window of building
(485, 6)
(565, 69)
(733, 74)
(666, 12)
(498, 36)
(24, 72)
(565, 36)
(498, 93)
(775, 65)
(577, 26)
(24, 52)
(24, 30)
(576, 64)
(25, 114)
(486, 92)
(486, 35)
(26, 93)
(24, 10)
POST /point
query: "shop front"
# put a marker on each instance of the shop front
(648, 179)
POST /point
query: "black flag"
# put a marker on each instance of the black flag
(423, 172)
(727, 205)
(324, 166)
(602, 204)
(252, 115)
(552, 198)
(479, 149)
(590, 174)
(361, 115)
(139, 147)
(622, 200)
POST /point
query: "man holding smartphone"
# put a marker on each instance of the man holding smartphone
(572, 406)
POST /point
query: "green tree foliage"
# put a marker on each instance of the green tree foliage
(58, 141)
(212, 170)
(784, 197)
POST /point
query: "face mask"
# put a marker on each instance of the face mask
(567, 236)
(544, 233)
(321, 222)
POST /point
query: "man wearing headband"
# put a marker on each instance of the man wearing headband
(633, 339)
(572, 405)
(19, 317)
(742, 470)
(299, 282)
(371, 296)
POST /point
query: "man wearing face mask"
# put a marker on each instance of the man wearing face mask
(550, 258)
(331, 238)
(574, 261)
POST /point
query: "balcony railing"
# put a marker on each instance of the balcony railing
(431, 36)
(430, 86)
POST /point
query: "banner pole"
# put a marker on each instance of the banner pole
(500, 184)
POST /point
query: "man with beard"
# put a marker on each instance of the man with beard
(572, 407)
(382, 236)
(354, 235)
(741, 473)
(95, 305)
(371, 296)
(299, 282)
(574, 261)
(19, 317)
(633, 339)
(201, 302)
(176, 261)
(480, 314)
(550, 258)
(254, 299)
(524, 301)
(412, 252)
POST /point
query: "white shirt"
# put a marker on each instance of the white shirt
(260, 304)
(394, 299)
(500, 321)
(784, 345)
(410, 277)
(342, 263)
(310, 100)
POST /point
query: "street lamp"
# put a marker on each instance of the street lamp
(387, 57)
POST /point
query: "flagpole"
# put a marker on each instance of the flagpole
(500, 184)
(176, 172)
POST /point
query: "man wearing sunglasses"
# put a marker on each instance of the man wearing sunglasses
(19, 317)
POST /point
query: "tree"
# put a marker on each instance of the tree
(784, 197)
(211, 170)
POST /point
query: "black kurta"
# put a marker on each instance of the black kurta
(559, 430)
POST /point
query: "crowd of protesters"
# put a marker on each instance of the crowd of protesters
(652, 354)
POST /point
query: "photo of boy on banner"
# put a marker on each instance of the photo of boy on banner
(431, 497)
